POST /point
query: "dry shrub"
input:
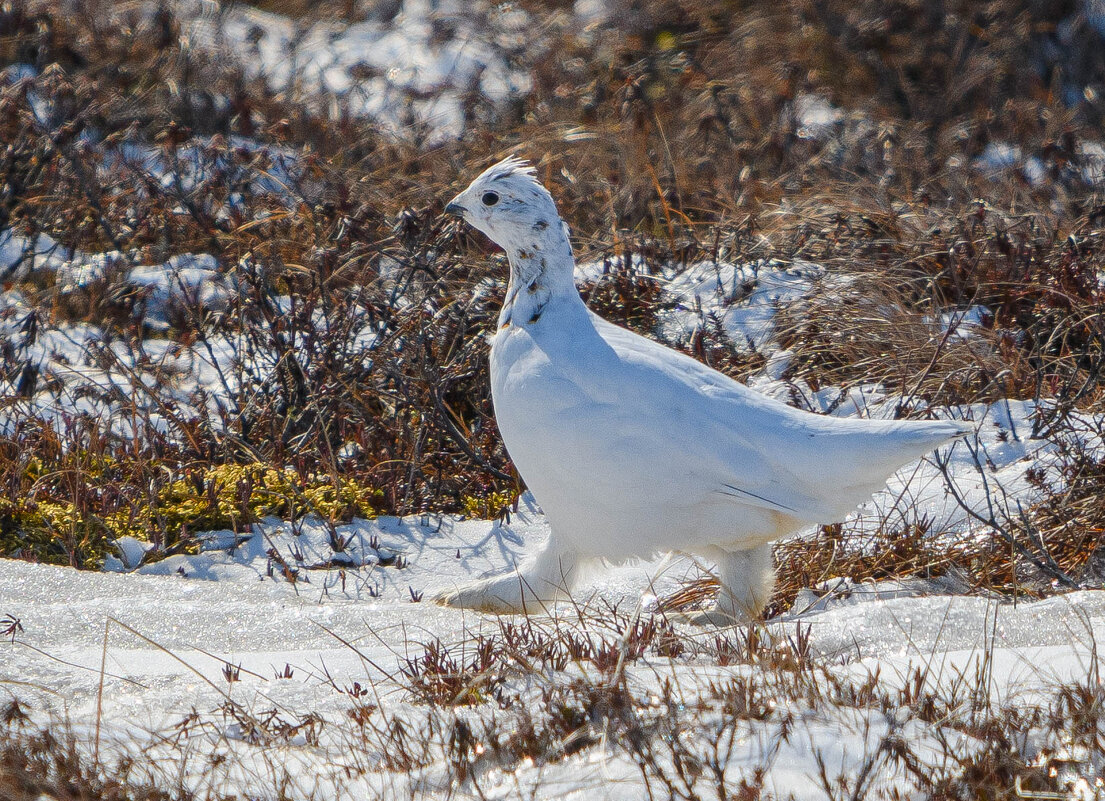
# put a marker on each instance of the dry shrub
(477, 669)
(1070, 522)
(50, 764)
(861, 327)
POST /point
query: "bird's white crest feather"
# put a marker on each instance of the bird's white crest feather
(511, 165)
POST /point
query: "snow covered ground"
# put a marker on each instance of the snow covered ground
(310, 654)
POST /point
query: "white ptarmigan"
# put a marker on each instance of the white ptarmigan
(632, 448)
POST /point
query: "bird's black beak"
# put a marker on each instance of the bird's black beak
(455, 209)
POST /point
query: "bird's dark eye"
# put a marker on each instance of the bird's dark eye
(489, 198)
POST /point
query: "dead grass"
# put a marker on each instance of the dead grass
(48, 763)
(868, 331)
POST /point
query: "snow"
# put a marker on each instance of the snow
(204, 158)
(415, 69)
(20, 255)
(962, 323)
(742, 297)
(815, 115)
(1003, 158)
(1091, 155)
(196, 279)
(1094, 12)
(999, 158)
(131, 553)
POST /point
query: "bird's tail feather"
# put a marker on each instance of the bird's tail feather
(931, 433)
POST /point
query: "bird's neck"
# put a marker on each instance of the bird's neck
(541, 271)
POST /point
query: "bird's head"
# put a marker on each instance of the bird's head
(508, 205)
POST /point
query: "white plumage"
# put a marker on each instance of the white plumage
(632, 448)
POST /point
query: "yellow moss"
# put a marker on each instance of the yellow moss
(218, 497)
(666, 40)
(52, 532)
(488, 506)
(348, 499)
(224, 496)
(227, 496)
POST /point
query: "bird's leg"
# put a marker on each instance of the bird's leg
(747, 579)
(533, 585)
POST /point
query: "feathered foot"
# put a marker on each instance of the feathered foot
(530, 588)
(747, 579)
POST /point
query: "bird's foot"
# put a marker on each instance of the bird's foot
(526, 591)
(531, 588)
(746, 579)
(500, 595)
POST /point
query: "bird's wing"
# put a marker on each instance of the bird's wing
(756, 450)
(699, 427)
